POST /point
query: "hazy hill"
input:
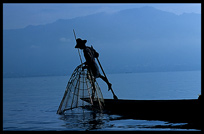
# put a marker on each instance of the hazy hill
(133, 40)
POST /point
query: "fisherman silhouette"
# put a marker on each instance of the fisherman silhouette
(90, 54)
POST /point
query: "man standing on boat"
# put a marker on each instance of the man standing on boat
(90, 54)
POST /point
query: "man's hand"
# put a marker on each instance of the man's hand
(84, 67)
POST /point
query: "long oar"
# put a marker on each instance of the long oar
(114, 96)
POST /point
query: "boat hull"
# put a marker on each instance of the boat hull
(171, 110)
(186, 110)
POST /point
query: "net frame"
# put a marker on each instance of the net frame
(82, 90)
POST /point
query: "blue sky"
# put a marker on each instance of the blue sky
(21, 15)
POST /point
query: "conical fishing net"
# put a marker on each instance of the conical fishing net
(82, 91)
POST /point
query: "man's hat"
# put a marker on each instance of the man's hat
(80, 43)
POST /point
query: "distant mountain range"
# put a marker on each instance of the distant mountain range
(133, 40)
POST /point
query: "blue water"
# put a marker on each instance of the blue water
(31, 103)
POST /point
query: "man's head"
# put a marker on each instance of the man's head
(80, 43)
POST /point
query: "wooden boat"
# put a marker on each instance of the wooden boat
(187, 110)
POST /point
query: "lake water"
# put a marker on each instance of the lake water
(31, 103)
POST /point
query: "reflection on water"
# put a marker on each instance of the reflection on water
(88, 120)
(83, 119)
